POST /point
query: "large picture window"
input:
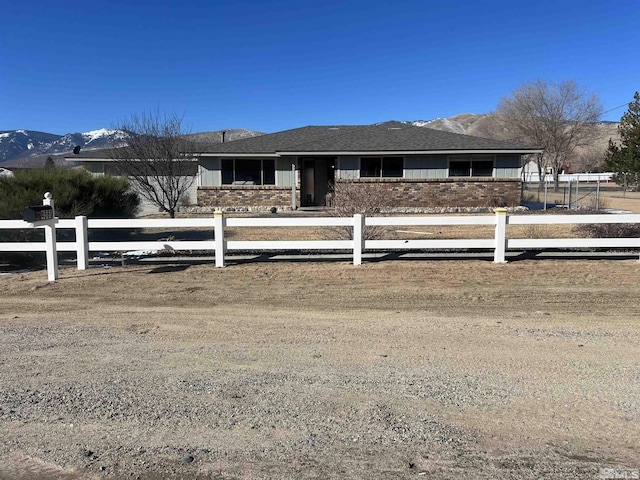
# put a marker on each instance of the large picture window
(381, 167)
(248, 172)
(471, 168)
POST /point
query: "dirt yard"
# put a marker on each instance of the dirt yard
(397, 369)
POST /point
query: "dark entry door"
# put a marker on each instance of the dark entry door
(316, 179)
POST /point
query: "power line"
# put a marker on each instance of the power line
(615, 108)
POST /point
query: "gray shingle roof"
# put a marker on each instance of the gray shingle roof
(384, 137)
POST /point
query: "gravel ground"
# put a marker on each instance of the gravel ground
(322, 370)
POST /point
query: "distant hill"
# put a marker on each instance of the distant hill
(16, 143)
(26, 148)
(484, 125)
(29, 149)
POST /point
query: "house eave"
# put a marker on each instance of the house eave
(414, 152)
(303, 153)
(239, 155)
(96, 159)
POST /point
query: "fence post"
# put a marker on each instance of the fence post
(219, 223)
(358, 238)
(50, 241)
(501, 236)
(82, 242)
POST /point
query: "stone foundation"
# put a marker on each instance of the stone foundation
(407, 194)
(244, 198)
(402, 194)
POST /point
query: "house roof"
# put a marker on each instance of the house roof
(388, 137)
(382, 138)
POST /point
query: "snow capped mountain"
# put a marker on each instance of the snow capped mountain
(17, 146)
(16, 143)
(441, 124)
(26, 148)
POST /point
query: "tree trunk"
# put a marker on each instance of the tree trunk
(556, 181)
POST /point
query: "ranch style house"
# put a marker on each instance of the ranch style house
(419, 168)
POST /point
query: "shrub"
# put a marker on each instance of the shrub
(75, 192)
(349, 198)
(609, 230)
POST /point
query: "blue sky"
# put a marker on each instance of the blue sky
(69, 66)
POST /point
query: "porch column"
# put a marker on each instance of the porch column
(294, 203)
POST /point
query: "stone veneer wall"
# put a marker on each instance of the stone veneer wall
(403, 193)
(245, 197)
(448, 192)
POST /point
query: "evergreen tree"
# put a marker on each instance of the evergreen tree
(76, 192)
(624, 159)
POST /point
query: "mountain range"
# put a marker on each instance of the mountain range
(28, 149)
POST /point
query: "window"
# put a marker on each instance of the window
(248, 172)
(471, 168)
(376, 167)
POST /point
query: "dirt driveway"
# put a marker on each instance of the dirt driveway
(398, 369)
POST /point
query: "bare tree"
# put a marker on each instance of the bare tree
(158, 158)
(589, 159)
(554, 116)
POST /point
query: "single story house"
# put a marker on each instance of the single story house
(419, 168)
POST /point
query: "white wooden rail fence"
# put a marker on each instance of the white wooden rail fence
(499, 243)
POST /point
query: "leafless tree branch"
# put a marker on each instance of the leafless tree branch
(158, 158)
(554, 116)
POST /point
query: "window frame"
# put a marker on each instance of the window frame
(234, 172)
(471, 160)
(381, 168)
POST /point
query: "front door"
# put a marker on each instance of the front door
(316, 179)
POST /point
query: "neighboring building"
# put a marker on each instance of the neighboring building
(420, 168)
(98, 162)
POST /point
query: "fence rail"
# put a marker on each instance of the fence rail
(499, 242)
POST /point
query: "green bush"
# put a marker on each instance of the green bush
(75, 192)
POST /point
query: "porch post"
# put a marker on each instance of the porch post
(294, 203)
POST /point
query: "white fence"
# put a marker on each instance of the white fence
(499, 242)
(534, 177)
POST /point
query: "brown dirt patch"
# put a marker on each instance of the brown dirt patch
(322, 370)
